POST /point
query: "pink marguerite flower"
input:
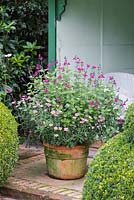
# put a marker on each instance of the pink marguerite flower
(121, 121)
(8, 91)
(101, 76)
(45, 90)
(88, 66)
(111, 78)
(65, 129)
(45, 81)
(35, 111)
(83, 120)
(116, 100)
(67, 86)
(40, 57)
(85, 75)
(50, 125)
(59, 77)
(76, 114)
(94, 67)
(48, 104)
(92, 104)
(92, 76)
(80, 69)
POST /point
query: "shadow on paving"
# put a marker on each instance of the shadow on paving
(29, 180)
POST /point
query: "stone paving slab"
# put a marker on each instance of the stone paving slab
(30, 181)
(5, 198)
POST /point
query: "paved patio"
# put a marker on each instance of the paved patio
(29, 180)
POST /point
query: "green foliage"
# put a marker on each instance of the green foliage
(31, 47)
(23, 35)
(30, 21)
(8, 143)
(111, 173)
(71, 107)
(129, 124)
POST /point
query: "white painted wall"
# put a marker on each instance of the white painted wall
(99, 32)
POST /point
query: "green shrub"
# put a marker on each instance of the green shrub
(8, 143)
(129, 124)
(111, 173)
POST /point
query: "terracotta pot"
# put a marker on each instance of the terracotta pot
(66, 163)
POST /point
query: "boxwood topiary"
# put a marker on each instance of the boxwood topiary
(129, 124)
(111, 173)
(8, 143)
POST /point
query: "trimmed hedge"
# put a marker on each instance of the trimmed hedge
(129, 124)
(111, 173)
(8, 143)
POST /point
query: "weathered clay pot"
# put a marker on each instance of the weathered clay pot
(66, 163)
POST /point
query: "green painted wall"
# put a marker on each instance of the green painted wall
(99, 32)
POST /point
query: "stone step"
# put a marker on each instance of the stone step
(30, 181)
(31, 191)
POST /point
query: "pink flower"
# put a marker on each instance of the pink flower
(101, 76)
(38, 67)
(35, 111)
(91, 103)
(85, 75)
(100, 118)
(45, 90)
(65, 129)
(54, 113)
(40, 57)
(97, 106)
(62, 69)
(55, 128)
(88, 66)
(83, 120)
(80, 69)
(94, 67)
(76, 114)
(111, 78)
(8, 91)
(120, 121)
(35, 73)
(50, 125)
(116, 100)
(59, 77)
(75, 58)
(67, 86)
(48, 104)
(92, 76)
(65, 63)
(45, 81)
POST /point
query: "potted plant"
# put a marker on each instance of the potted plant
(71, 108)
